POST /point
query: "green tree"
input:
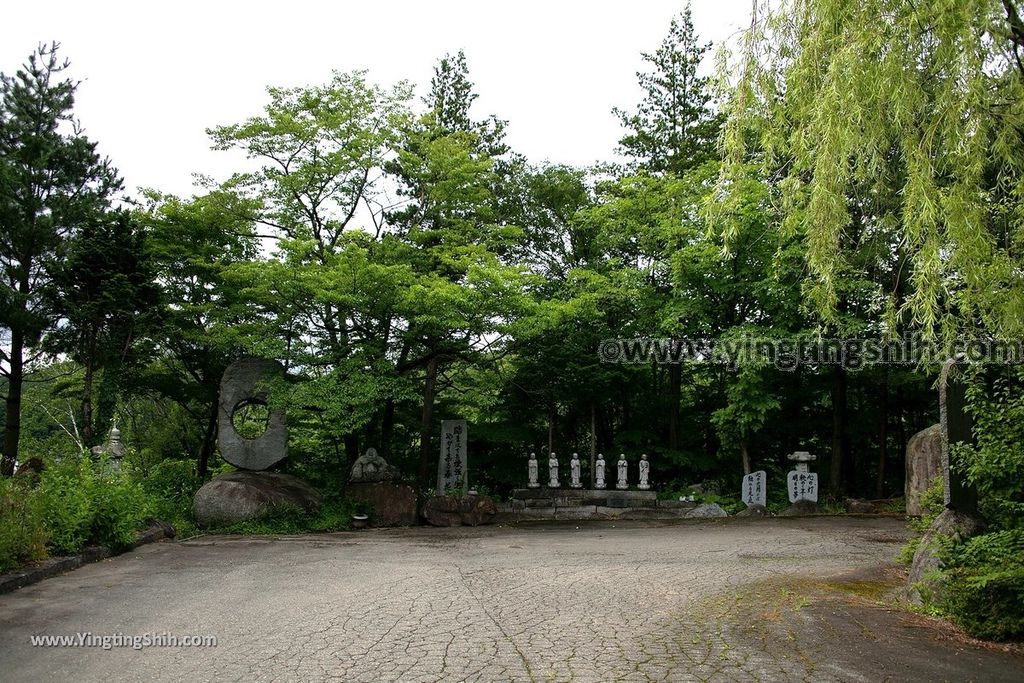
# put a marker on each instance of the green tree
(675, 127)
(52, 182)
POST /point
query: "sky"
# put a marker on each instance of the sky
(155, 76)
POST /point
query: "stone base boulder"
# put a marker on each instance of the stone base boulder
(458, 511)
(707, 511)
(388, 504)
(922, 578)
(801, 507)
(924, 461)
(753, 511)
(243, 496)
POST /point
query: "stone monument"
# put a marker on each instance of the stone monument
(623, 468)
(532, 472)
(753, 489)
(452, 470)
(802, 485)
(645, 474)
(553, 472)
(574, 472)
(373, 483)
(599, 472)
(113, 448)
(250, 493)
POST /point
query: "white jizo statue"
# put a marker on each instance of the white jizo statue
(645, 473)
(574, 472)
(531, 470)
(599, 472)
(553, 471)
(623, 472)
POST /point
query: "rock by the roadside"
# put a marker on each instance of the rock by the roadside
(859, 506)
(924, 459)
(243, 496)
(801, 507)
(389, 504)
(753, 511)
(922, 578)
(707, 510)
(458, 511)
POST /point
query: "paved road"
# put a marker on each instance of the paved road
(742, 600)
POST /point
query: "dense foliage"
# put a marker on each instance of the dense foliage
(853, 173)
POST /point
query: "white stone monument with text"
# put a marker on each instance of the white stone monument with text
(801, 483)
(753, 489)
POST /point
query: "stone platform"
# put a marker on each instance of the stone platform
(566, 503)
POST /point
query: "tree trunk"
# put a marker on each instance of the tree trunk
(387, 428)
(552, 419)
(426, 423)
(12, 427)
(745, 453)
(675, 386)
(883, 436)
(209, 439)
(86, 432)
(593, 442)
(838, 429)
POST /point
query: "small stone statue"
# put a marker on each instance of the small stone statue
(531, 469)
(370, 467)
(574, 472)
(645, 473)
(553, 471)
(599, 472)
(623, 466)
(113, 448)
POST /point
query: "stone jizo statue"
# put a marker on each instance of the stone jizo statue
(645, 473)
(370, 467)
(574, 472)
(599, 472)
(531, 470)
(553, 472)
(623, 467)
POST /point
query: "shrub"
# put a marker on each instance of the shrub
(22, 536)
(82, 502)
(932, 505)
(170, 486)
(984, 585)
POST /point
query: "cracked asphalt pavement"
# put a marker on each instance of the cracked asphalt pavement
(728, 600)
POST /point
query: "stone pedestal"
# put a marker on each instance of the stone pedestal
(244, 496)
(388, 504)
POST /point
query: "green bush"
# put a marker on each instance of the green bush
(87, 503)
(170, 486)
(22, 536)
(65, 495)
(332, 515)
(932, 505)
(984, 585)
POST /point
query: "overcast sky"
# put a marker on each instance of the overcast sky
(156, 75)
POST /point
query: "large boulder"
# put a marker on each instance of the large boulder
(707, 511)
(924, 580)
(389, 504)
(243, 496)
(458, 511)
(801, 507)
(924, 463)
(753, 511)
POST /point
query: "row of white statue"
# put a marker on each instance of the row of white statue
(599, 467)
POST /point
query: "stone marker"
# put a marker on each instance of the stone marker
(240, 387)
(452, 472)
(753, 489)
(574, 472)
(599, 472)
(924, 463)
(532, 473)
(623, 468)
(553, 472)
(645, 473)
(802, 484)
